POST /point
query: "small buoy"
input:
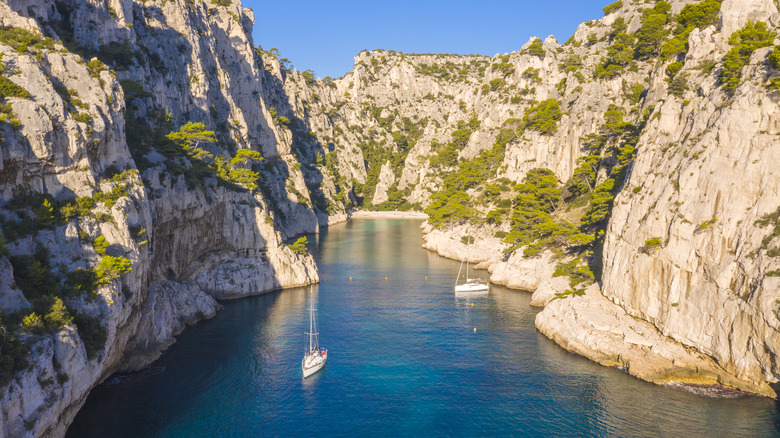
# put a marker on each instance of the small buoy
(472, 305)
(385, 278)
(426, 277)
(350, 278)
(475, 329)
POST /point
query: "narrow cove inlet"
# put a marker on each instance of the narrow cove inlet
(406, 358)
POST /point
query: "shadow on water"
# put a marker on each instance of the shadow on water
(406, 358)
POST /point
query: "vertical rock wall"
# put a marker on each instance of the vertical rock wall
(201, 242)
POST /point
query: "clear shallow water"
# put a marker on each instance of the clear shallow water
(404, 360)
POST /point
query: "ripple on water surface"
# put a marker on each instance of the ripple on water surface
(404, 360)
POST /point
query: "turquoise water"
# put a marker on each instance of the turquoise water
(404, 360)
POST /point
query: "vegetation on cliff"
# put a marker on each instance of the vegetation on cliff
(754, 35)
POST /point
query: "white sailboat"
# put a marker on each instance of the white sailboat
(313, 358)
(471, 284)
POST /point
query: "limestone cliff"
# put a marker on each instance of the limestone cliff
(118, 233)
(685, 252)
(625, 177)
(700, 185)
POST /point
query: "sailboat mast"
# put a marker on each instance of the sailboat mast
(311, 327)
(467, 260)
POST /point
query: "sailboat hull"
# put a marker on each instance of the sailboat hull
(472, 287)
(471, 284)
(313, 362)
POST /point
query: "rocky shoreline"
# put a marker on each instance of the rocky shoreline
(365, 214)
(591, 325)
(165, 165)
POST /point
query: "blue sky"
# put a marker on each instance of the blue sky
(325, 36)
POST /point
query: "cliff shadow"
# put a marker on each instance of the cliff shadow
(308, 150)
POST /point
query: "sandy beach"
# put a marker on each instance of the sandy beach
(357, 214)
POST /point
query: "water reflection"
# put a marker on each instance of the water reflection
(404, 359)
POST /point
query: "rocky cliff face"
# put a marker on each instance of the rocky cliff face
(89, 177)
(700, 185)
(706, 285)
(689, 271)
(621, 177)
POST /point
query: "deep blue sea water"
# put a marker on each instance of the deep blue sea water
(406, 358)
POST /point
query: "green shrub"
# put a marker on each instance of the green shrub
(447, 155)
(137, 231)
(79, 207)
(109, 198)
(674, 47)
(692, 16)
(103, 218)
(572, 63)
(774, 57)
(636, 94)
(450, 206)
(58, 315)
(577, 272)
(650, 245)
(230, 171)
(111, 268)
(7, 116)
(14, 355)
(745, 41)
(531, 74)
(679, 85)
(652, 32)
(536, 48)
(605, 70)
(674, 68)
(568, 293)
(81, 281)
(532, 223)
(92, 333)
(619, 54)
(95, 67)
(584, 176)
(612, 7)
(396, 200)
(706, 225)
(9, 89)
(32, 323)
(100, 245)
(299, 247)
(506, 68)
(22, 39)
(33, 277)
(600, 205)
(497, 83)
(701, 15)
(731, 73)
(190, 136)
(772, 220)
(543, 116)
(44, 214)
(82, 118)
(308, 75)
